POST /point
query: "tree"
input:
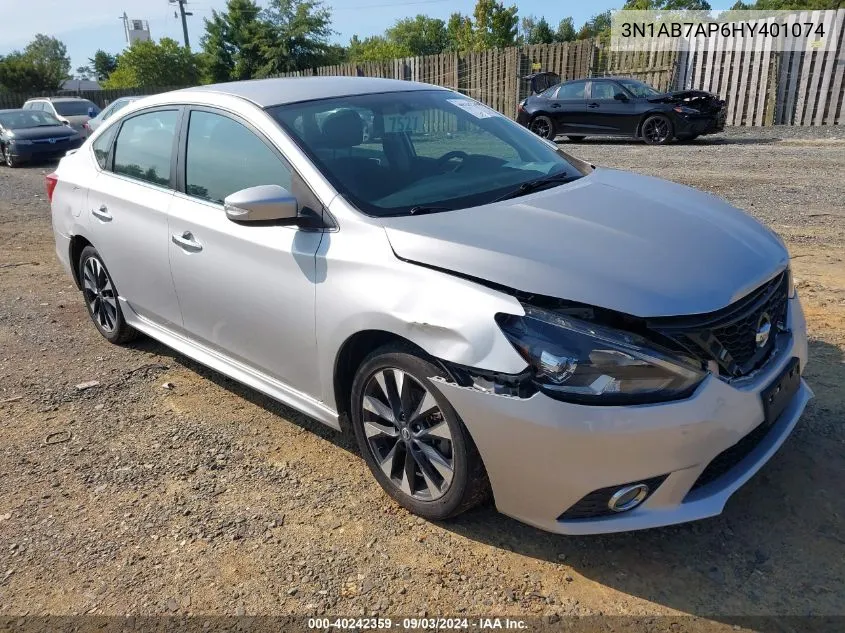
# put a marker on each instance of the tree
(537, 31)
(459, 33)
(421, 35)
(494, 25)
(594, 27)
(103, 64)
(296, 37)
(50, 58)
(149, 64)
(667, 5)
(565, 31)
(19, 74)
(375, 49)
(232, 41)
(83, 72)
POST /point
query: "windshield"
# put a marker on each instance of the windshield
(74, 108)
(27, 118)
(638, 88)
(397, 153)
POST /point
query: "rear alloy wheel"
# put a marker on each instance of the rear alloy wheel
(8, 158)
(576, 139)
(657, 130)
(543, 126)
(101, 298)
(412, 439)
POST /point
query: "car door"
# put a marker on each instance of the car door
(605, 114)
(128, 202)
(567, 107)
(246, 290)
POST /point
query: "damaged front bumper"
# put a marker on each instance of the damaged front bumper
(543, 456)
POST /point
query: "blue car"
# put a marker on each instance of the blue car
(27, 135)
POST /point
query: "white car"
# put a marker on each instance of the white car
(600, 351)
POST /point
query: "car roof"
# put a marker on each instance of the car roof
(57, 99)
(270, 92)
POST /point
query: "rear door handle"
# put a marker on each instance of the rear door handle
(186, 242)
(593, 105)
(102, 213)
(555, 105)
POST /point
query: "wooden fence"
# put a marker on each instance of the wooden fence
(100, 97)
(761, 86)
(765, 87)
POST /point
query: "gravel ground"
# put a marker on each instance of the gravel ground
(172, 490)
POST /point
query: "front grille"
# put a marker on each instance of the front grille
(729, 336)
(595, 503)
(731, 456)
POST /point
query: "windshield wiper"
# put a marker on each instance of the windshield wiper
(558, 178)
(422, 210)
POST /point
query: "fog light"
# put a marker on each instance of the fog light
(628, 498)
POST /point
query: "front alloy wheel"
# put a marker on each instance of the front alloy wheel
(411, 437)
(407, 434)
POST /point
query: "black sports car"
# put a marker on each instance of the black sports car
(32, 134)
(617, 106)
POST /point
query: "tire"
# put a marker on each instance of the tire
(101, 298)
(8, 159)
(684, 138)
(576, 139)
(543, 127)
(447, 475)
(657, 130)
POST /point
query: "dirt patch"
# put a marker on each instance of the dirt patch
(209, 498)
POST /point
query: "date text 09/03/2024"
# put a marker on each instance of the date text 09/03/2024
(375, 623)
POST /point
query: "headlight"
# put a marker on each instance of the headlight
(583, 362)
(21, 141)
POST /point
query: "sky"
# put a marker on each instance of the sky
(86, 25)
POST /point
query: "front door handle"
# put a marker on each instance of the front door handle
(102, 213)
(593, 105)
(555, 105)
(187, 242)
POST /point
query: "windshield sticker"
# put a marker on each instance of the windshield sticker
(477, 110)
(409, 122)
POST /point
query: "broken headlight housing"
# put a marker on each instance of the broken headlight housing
(580, 361)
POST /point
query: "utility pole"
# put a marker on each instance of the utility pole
(185, 14)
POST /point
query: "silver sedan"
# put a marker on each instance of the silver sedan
(596, 350)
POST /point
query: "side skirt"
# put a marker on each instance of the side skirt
(233, 369)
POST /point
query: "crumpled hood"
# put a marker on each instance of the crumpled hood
(613, 239)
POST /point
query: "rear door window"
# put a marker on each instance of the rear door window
(144, 147)
(575, 90)
(103, 147)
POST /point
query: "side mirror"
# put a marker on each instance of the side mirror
(620, 96)
(264, 203)
(92, 112)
